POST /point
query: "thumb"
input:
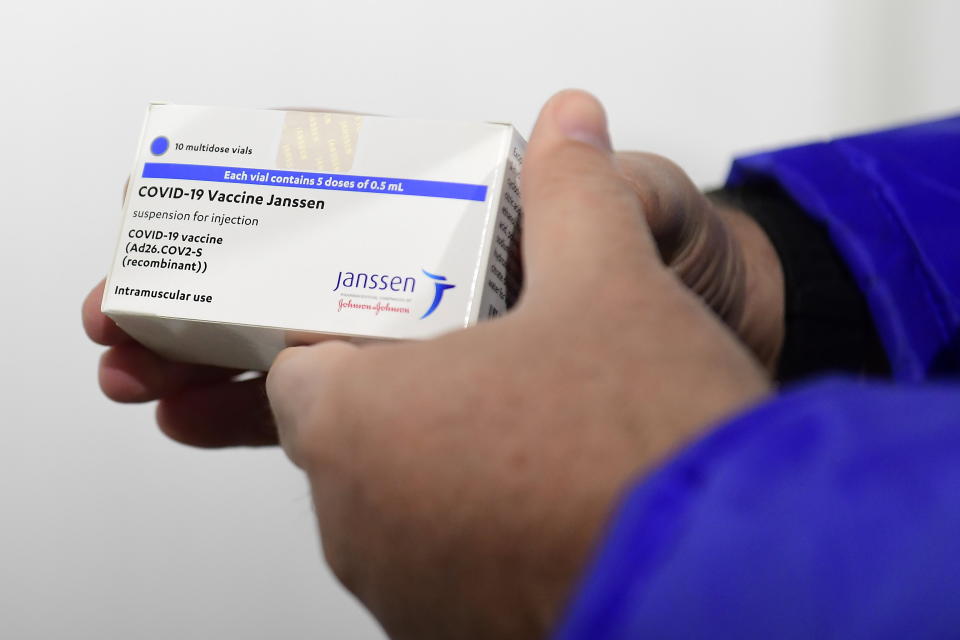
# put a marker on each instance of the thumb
(581, 217)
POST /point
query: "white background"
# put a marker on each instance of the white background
(107, 530)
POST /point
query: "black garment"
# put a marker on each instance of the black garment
(828, 324)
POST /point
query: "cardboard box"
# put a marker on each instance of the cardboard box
(245, 231)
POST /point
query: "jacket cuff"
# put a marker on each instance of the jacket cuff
(827, 325)
(887, 200)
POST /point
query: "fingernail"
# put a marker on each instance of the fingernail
(581, 117)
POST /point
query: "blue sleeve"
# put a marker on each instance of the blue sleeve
(890, 201)
(832, 511)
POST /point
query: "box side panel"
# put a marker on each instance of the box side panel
(224, 345)
(504, 273)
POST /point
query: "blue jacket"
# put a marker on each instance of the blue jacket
(833, 509)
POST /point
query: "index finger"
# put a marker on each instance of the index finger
(99, 327)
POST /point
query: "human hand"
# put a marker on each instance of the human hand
(459, 483)
(719, 252)
(198, 405)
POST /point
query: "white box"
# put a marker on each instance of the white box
(246, 230)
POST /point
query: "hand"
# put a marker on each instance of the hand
(719, 252)
(200, 406)
(459, 483)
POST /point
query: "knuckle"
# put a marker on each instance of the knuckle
(307, 397)
(285, 358)
(290, 364)
(280, 369)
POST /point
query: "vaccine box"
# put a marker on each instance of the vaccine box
(245, 231)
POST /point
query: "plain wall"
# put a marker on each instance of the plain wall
(108, 529)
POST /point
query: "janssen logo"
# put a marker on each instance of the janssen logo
(399, 284)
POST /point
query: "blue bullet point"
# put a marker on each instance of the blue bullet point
(159, 145)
